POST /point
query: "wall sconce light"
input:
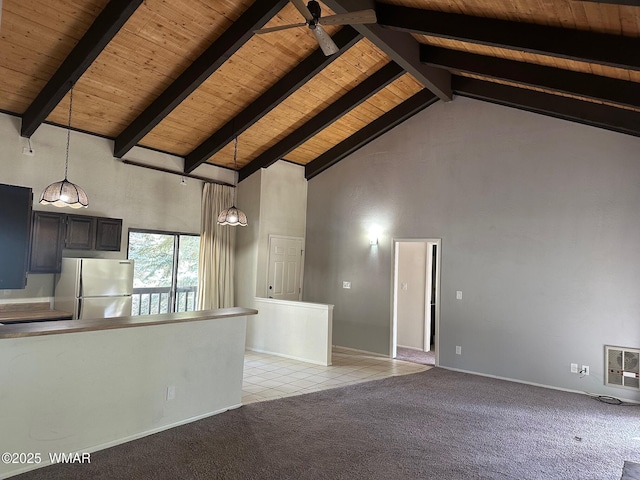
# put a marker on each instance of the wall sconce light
(373, 240)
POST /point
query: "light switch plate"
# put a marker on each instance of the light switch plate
(346, 284)
(459, 295)
(171, 392)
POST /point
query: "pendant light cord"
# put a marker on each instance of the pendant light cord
(235, 153)
(66, 163)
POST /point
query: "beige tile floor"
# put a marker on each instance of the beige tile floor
(267, 377)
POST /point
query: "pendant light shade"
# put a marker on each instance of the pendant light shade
(64, 193)
(232, 215)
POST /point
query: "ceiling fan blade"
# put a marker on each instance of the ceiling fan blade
(351, 18)
(326, 43)
(302, 8)
(280, 27)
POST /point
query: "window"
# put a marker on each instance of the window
(165, 277)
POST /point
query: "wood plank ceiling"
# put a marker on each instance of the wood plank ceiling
(186, 76)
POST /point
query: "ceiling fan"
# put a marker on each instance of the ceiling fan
(314, 20)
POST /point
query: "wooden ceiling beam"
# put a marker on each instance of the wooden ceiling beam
(631, 3)
(378, 127)
(577, 45)
(611, 90)
(255, 17)
(294, 79)
(102, 30)
(326, 117)
(401, 47)
(566, 108)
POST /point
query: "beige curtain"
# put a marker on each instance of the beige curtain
(217, 245)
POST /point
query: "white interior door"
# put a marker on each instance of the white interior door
(285, 268)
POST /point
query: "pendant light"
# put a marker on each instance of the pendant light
(64, 193)
(233, 216)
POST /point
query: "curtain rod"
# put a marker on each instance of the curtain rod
(166, 170)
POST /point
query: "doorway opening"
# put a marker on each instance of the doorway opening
(416, 299)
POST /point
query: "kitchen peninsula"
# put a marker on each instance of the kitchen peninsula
(85, 385)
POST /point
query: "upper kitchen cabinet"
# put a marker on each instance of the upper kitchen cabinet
(108, 234)
(93, 233)
(15, 227)
(80, 233)
(47, 240)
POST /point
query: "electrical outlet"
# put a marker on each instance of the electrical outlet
(28, 151)
(171, 392)
(574, 368)
(585, 370)
(458, 350)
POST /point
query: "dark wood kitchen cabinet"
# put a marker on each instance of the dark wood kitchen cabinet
(51, 232)
(15, 228)
(47, 240)
(80, 232)
(108, 234)
(93, 233)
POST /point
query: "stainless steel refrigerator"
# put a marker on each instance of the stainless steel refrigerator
(94, 287)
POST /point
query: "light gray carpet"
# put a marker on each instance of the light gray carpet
(631, 471)
(416, 356)
(433, 425)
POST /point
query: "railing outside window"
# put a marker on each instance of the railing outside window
(165, 271)
(147, 301)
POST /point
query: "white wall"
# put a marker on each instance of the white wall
(275, 200)
(142, 198)
(81, 392)
(297, 330)
(412, 272)
(283, 211)
(540, 231)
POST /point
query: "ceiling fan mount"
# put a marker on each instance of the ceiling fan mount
(312, 13)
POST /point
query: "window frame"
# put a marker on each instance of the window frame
(173, 292)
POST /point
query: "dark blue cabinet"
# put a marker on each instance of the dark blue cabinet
(15, 227)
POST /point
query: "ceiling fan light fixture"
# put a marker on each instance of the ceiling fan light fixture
(64, 193)
(312, 13)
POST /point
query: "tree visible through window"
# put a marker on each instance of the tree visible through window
(165, 271)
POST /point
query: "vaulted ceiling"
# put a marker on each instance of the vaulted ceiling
(187, 76)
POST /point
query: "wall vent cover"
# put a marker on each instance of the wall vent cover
(623, 367)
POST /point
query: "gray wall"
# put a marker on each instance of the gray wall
(540, 230)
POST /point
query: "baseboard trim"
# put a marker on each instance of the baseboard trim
(291, 357)
(552, 387)
(120, 441)
(366, 352)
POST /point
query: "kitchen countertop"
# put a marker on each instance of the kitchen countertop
(31, 312)
(74, 326)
